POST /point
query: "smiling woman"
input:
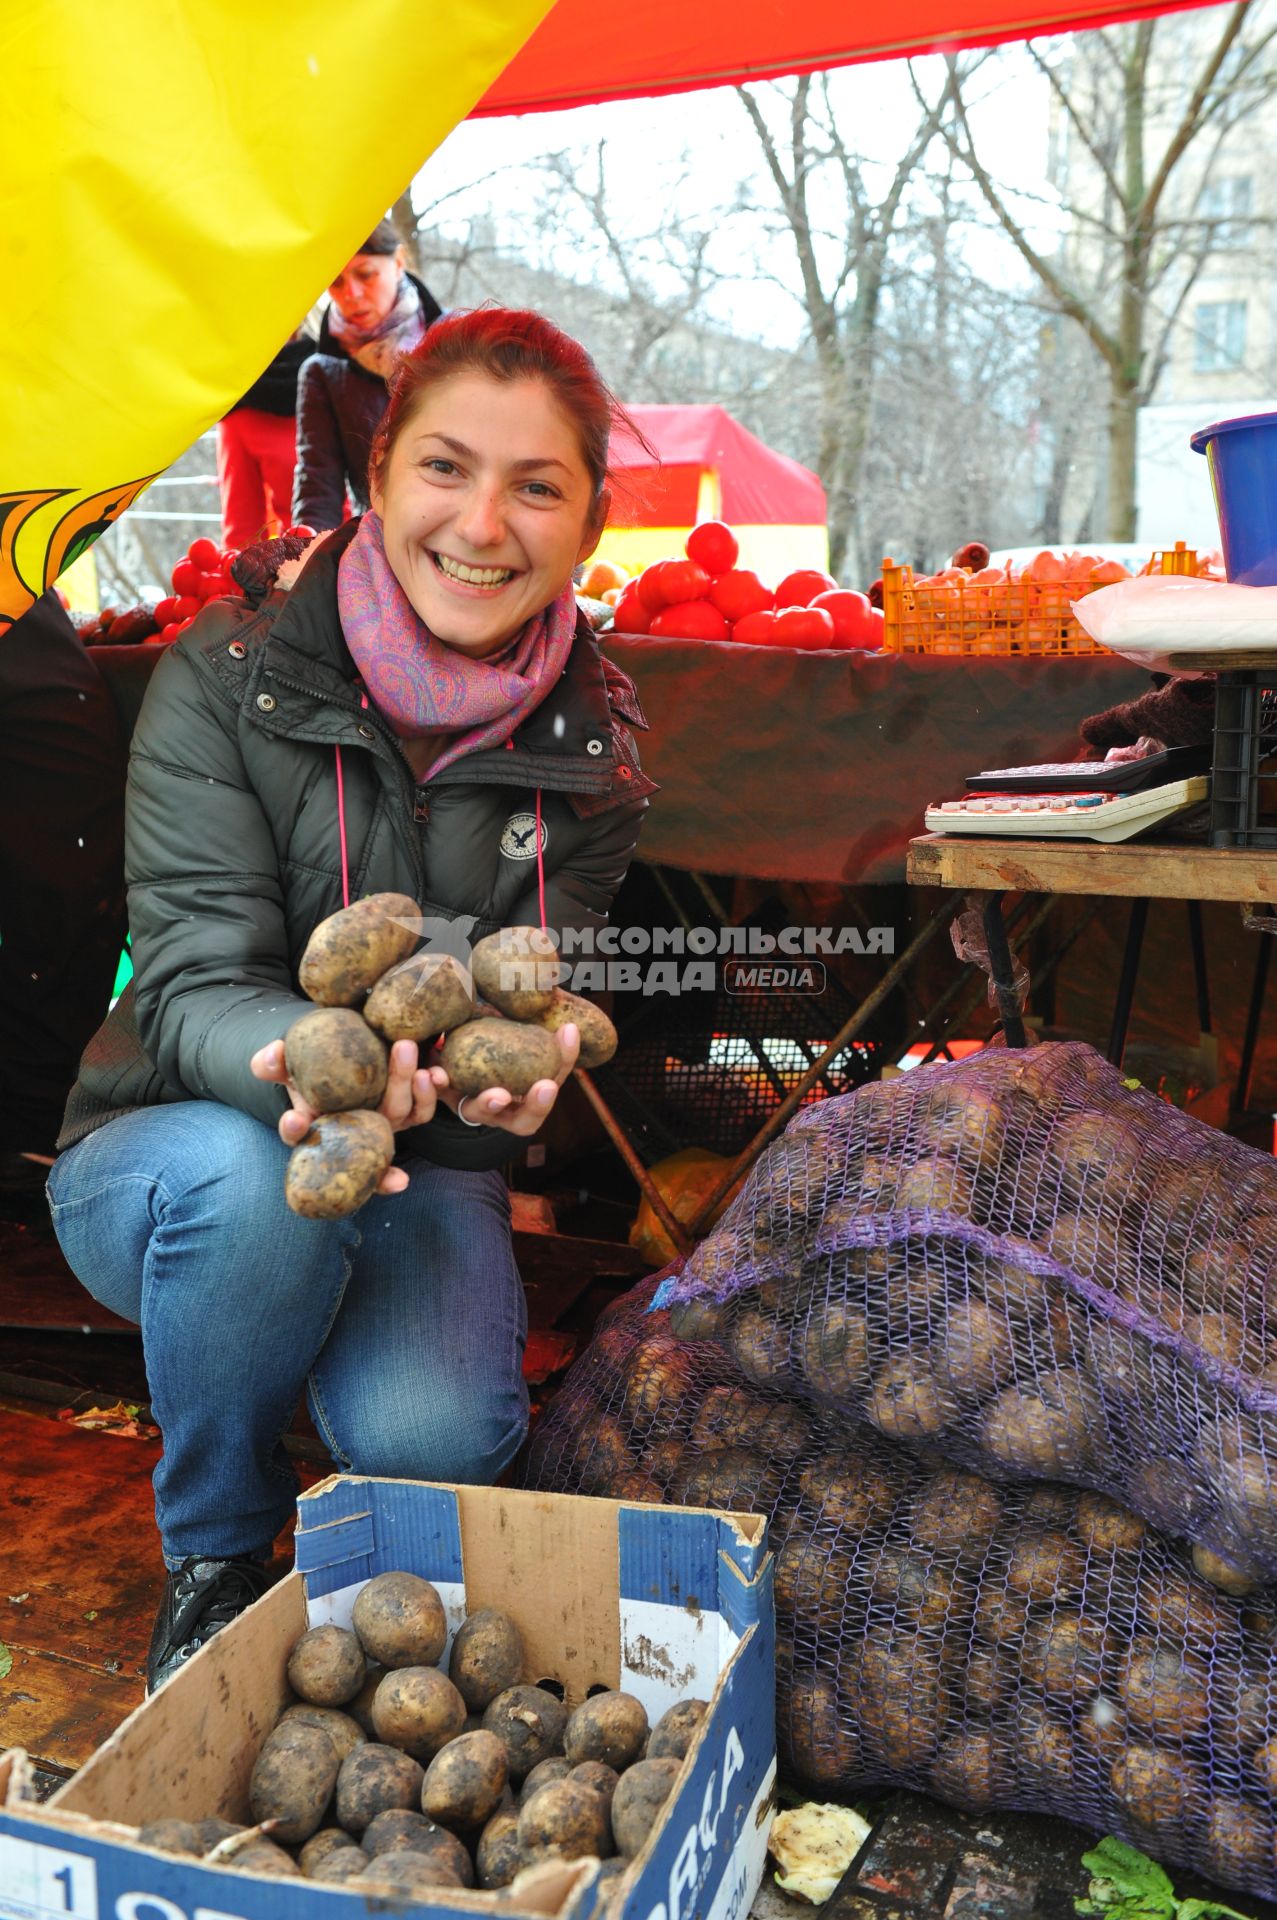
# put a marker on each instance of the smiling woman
(422, 714)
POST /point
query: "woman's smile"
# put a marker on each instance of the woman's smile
(469, 576)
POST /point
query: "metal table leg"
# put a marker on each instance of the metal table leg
(1197, 942)
(1246, 1067)
(995, 939)
(1126, 981)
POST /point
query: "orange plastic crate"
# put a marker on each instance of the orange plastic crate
(1002, 617)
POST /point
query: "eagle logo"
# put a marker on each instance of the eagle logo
(519, 837)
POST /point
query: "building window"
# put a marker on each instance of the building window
(1219, 336)
(1227, 205)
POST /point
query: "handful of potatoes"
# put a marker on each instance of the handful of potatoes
(372, 989)
(394, 1773)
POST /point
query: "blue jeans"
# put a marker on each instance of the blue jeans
(405, 1323)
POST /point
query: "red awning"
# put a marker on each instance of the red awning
(585, 52)
(758, 485)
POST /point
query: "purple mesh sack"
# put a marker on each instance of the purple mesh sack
(1012, 1646)
(1033, 1266)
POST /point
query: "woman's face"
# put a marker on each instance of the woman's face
(487, 506)
(365, 291)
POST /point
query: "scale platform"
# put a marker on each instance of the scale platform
(1075, 815)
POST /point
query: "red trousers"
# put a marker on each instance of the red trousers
(256, 453)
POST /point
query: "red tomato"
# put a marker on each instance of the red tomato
(210, 585)
(675, 581)
(850, 611)
(187, 607)
(629, 615)
(165, 610)
(690, 620)
(756, 629)
(800, 589)
(811, 628)
(877, 632)
(712, 545)
(186, 578)
(306, 533)
(648, 585)
(203, 554)
(739, 593)
(166, 635)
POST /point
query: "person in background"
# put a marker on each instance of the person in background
(424, 712)
(257, 450)
(377, 311)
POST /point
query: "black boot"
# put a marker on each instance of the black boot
(200, 1598)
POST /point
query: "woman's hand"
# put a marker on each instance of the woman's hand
(498, 1107)
(410, 1098)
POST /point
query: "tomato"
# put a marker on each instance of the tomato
(187, 607)
(166, 635)
(648, 585)
(756, 629)
(302, 530)
(671, 582)
(712, 545)
(811, 628)
(878, 630)
(690, 620)
(629, 614)
(800, 589)
(210, 585)
(164, 610)
(204, 555)
(740, 592)
(850, 612)
(186, 578)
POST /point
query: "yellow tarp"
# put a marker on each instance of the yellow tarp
(179, 179)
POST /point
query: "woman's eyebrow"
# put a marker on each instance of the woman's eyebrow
(520, 466)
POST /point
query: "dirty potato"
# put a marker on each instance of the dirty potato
(833, 1351)
(338, 1164)
(639, 1798)
(544, 1774)
(335, 1060)
(345, 1733)
(400, 1620)
(1158, 1789)
(598, 1035)
(319, 1847)
(1105, 1527)
(611, 1727)
(348, 953)
(676, 1729)
(375, 1779)
(973, 1768)
(909, 1400)
(426, 994)
(465, 1780)
(326, 1667)
(516, 971)
(565, 1821)
(486, 1657)
(955, 1512)
(499, 1053)
(530, 1721)
(173, 1836)
(293, 1779)
(1164, 1691)
(1045, 1566)
(418, 1710)
(498, 1856)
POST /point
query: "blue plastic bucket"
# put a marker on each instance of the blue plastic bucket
(1242, 457)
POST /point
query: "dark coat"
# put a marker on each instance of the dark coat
(233, 846)
(339, 409)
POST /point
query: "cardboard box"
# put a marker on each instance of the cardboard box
(664, 1602)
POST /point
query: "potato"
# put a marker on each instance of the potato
(395, 1828)
(213, 1830)
(1238, 1841)
(418, 1710)
(916, 1587)
(676, 1729)
(735, 1481)
(1160, 1790)
(374, 1779)
(426, 994)
(1001, 1618)
(975, 1350)
(598, 1035)
(499, 1053)
(637, 1804)
(811, 1578)
(566, 1820)
(342, 1864)
(320, 1846)
(345, 1733)
(1027, 1434)
(544, 1774)
(293, 1779)
(973, 1768)
(760, 1346)
(517, 970)
(1105, 1527)
(986, 1678)
(408, 1873)
(956, 1512)
(610, 1727)
(1042, 1750)
(1045, 1566)
(1065, 1656)
(1265, 1764)
(599, 1778)
(659, 1378)
(530, 1721)
(497, 1856)
(400, 1620)
(833, 1351)
(338, 1164)
(263, 1856)
(939, 1185)
(967, 1121)
(909, 1400)
(464, 1783)
(348, 953)
(899, 1691)
(1185, 1608)
(335, 1060)
(849, 1490)
(816, 1732)
(735, 1417)
(173, 1836)
(486, 1657)
(326, 1667)
(1164, 1691)
(360, 1708)
(1222, 1573)
(698, 1319)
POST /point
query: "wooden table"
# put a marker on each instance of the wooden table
(1140, 871)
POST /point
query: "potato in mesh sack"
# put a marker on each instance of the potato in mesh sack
(1031, 1265)
(998, 1645)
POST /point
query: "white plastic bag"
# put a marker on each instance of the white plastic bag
(1152, 619)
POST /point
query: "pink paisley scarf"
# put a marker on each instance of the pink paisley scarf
(424, 687)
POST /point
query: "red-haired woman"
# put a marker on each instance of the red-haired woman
(422, 713)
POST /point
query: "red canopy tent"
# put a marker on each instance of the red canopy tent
(711, 468)
(582, 52)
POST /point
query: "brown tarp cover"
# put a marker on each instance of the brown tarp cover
(818, 766)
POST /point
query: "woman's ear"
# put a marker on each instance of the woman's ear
(595, 525)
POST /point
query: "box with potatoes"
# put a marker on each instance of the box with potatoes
(464, 1700)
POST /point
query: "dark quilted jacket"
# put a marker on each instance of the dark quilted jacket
(233, 850)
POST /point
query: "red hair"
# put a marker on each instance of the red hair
(506, 344)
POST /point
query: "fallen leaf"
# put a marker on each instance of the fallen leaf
(16, 1599)
(6, 1661)
(92, 1614)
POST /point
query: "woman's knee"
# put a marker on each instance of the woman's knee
(462, 1436)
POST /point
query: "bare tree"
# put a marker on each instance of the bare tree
(1146, 109)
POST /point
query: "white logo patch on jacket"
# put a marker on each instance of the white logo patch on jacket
(519, 837)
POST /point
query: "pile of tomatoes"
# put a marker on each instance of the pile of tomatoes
(203, 573)
(708, 597)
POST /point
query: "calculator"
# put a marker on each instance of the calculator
(1077, 813)
(1095, 776)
